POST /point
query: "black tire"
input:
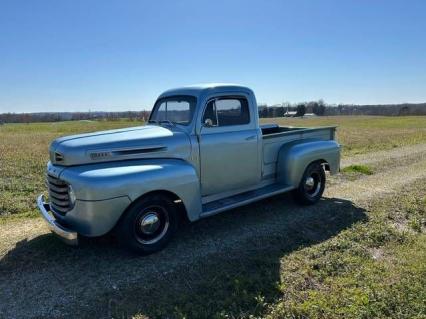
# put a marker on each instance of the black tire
(149, 224)
(311, 186)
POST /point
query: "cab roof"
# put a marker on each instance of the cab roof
(207, 88)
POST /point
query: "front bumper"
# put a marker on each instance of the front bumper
(68, 236)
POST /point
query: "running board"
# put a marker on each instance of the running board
(241, 199)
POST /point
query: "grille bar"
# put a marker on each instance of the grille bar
(58, 194)
(58, 209)
(62, 203)
(58, 190)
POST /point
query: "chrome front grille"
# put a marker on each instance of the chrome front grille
(59, 199)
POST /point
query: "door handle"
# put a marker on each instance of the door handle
(250, 138)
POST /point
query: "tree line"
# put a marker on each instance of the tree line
(288, 109)
(73, 116)
(318, 108)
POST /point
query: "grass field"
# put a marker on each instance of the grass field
(359, 253)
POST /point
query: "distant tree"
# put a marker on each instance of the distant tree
(405, 110)
(301, 109)
(263, 110)
(318, 108)
(310, 106)
(279, 112)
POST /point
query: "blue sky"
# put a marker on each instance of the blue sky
(119, 55)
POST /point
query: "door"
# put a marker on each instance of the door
(228, 146)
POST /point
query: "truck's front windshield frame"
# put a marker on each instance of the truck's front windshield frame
(192, 103)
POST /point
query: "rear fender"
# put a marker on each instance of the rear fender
(293, 159)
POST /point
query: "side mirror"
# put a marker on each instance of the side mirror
(208, 123)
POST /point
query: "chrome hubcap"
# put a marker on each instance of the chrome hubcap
(150, 223)
(309, 183)
(313, 184)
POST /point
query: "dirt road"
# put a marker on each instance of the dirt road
(39, 276)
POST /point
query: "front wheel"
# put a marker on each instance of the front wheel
(149, 224)
(312, 185)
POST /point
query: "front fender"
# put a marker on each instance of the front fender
(294, 158)
(136, 178)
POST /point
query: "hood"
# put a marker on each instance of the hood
(140, 142)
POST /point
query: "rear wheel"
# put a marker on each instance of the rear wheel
(312, 185)
(149, 224)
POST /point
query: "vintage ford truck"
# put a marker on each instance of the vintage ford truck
(202, 152)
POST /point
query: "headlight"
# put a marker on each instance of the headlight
(71, 195)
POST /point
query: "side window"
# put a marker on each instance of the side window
(227, 111)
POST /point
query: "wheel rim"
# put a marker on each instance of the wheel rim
(151, 224)
(312, 184)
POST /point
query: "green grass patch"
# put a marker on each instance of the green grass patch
(358, 169)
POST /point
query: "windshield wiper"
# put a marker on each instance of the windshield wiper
(162, 122)
(168, 122)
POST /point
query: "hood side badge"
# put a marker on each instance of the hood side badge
(100, 155)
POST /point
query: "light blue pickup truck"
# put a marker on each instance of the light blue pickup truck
(201, 153)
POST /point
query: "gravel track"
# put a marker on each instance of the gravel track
(40, 276)
(397, 154)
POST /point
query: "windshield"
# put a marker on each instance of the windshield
(175, 109)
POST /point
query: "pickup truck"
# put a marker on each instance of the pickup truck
(202, 152)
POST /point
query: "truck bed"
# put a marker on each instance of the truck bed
(275, 136)
(273, 131)
(268, 129)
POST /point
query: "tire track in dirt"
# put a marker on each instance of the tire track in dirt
(379, 184)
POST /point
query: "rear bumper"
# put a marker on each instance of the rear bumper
(68, 236)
